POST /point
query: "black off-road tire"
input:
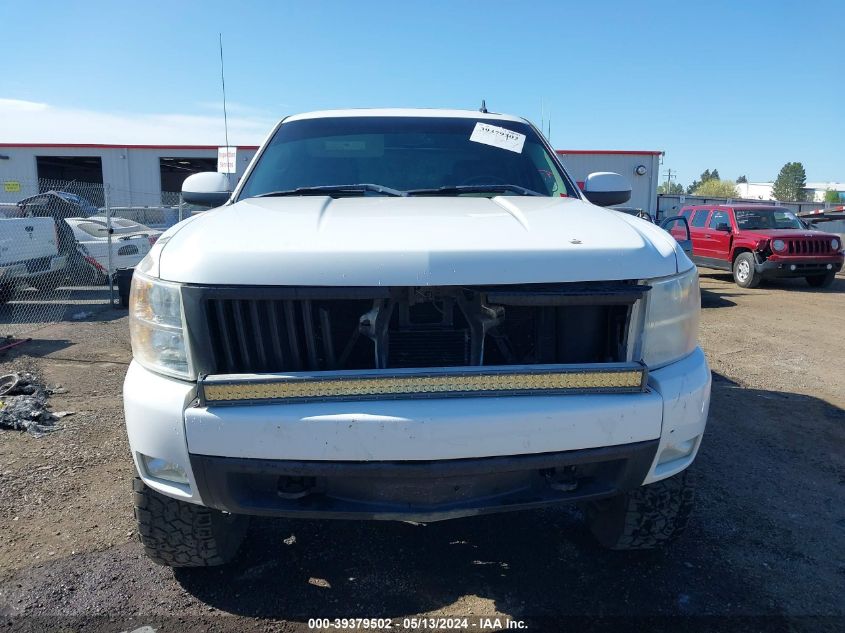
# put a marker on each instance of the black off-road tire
(646, 518)
(180, 534)
(744, 272)
(821, 281)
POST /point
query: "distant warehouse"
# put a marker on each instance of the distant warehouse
(150, 175)
(136, 175)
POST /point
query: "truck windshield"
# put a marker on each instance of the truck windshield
(755, 219)
(417, 154)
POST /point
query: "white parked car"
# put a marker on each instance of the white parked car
(131, 241)
(411, 315)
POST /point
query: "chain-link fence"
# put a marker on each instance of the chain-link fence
(671, 204)
(62, 246)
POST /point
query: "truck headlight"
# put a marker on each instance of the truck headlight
(157, 328)
(671, 318)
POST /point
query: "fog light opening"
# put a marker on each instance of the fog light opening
(792, 267)
(158, 468)
(677, 451)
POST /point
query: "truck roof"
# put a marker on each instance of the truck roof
(406, 112)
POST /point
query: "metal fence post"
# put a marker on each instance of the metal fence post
(109, 233)
(181, 207)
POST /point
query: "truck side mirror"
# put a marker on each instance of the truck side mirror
(207, 189)
(723, 226)
(678, 227)
(606, 188)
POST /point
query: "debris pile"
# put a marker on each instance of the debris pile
(23, 405)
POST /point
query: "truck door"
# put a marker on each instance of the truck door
(718, 236)
(678, 227)
(697, 232)
(679, 230)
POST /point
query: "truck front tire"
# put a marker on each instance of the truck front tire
(645, 518)
(180, 534)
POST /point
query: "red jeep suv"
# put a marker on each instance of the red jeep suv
(758, 242)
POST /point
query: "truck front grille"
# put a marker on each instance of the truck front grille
(809, 246)
(238, 330)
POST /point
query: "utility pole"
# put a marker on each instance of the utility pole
(668, 174)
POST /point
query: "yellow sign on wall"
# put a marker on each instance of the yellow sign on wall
(12, 186)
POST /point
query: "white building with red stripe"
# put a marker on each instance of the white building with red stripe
(140, 175)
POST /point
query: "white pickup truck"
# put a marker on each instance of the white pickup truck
(411, 315)
(29, 253)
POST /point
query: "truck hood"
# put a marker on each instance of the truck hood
(414, 241)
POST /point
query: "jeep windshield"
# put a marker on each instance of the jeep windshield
(763, 219)
(343, 156)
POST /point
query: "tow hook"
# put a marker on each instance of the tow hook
(295, 487)
(561, 479)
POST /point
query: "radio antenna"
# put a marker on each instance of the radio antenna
(223, 84)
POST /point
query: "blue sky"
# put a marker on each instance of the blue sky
(742, 87)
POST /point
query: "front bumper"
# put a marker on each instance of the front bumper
(417, 459)
(418, 491)
(797, 267)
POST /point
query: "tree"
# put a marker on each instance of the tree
(705, 176)
(673, 188)
(741, 179)
(713, 188)
(832, 195)
(790, 183)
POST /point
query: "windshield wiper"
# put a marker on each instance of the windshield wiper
(458, 189)
(330, 189)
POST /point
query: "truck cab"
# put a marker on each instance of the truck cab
(757, 242)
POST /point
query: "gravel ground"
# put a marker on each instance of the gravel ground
(764, 550)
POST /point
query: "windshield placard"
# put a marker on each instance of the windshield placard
(498, 137)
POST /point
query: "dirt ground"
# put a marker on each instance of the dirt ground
(765, 550)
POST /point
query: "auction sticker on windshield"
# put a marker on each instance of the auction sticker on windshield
(498, 137)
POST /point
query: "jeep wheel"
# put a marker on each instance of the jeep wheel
(645, 518)
(821, 281)
(180, 534)
(745, 275)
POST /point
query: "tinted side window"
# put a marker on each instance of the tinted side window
(686, 213)
(700, 218)
(719, 217)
